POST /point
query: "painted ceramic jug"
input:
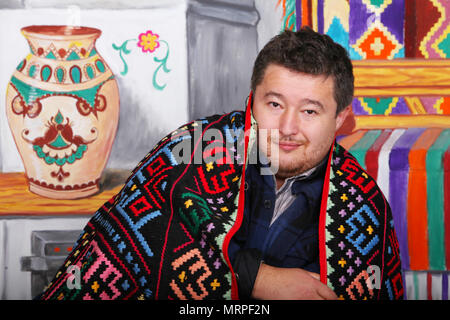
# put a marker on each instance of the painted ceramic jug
(62, 105)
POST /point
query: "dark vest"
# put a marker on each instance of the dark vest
(292, 240)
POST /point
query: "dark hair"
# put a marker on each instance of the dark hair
(308, 52)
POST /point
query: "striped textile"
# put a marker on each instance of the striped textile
(412, 169)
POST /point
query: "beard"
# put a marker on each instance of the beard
(290, 169)
(288, 164)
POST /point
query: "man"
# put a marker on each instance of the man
(294, 91)
(200, 219)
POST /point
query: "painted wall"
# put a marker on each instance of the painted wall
(147, 112)
(195, 38)
(209, 47)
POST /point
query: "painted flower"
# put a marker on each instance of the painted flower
(148, 41)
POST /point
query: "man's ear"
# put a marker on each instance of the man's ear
(345, 114)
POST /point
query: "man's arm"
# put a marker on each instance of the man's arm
(274, 283)
(246, 264)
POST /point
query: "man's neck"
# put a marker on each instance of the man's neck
(280, 181)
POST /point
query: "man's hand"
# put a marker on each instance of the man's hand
(274, 283)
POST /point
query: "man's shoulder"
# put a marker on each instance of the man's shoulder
(344, 158)
(357, 193)
(234, 118)
(352, 172)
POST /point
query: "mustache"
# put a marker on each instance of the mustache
(285, 139)
(274, 136)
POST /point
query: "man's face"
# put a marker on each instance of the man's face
(303, 109)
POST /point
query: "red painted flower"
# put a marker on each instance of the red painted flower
(148, 41)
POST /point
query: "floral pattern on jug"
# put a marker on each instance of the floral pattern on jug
(62, 105)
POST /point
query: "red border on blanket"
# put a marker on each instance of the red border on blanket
(322, 219)
(241, 203)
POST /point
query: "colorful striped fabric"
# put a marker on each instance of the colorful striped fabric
(447, 205)
(412, 168)
(426, 285)
(398, 182)
(417, 203)
(435, 182)
(373, 153)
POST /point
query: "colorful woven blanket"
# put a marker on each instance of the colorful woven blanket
(166, 234)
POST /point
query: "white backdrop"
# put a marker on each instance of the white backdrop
(147, 114)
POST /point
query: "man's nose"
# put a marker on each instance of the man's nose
(289, 123)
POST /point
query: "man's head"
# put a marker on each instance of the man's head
(312, 53)
(303, 84)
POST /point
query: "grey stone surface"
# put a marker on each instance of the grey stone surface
(239, 3)
(222, 11)
(11, 4)
(222, 45)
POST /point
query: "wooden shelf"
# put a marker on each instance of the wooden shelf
(402, 77)
(17, 200)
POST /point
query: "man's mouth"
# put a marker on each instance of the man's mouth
(288, 146)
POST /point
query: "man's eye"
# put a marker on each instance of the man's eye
(274, 104)
(310, 112)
